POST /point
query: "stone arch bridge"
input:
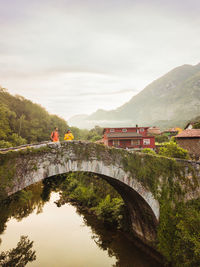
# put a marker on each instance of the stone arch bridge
(139, 178)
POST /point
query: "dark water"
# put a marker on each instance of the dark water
(64, 237)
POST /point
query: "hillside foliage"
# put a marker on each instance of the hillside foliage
(22, 121)
(92, 135)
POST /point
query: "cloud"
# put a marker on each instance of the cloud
(75, 55)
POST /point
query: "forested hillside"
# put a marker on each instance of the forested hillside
(22, 121)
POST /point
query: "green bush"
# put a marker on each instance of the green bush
(17, 140)
(179, 234)
(84, 196)
(196, 125)
(96, 195)
(161, 138)
(110, 210)
(5, 144)
(149, 151)
(172, 150)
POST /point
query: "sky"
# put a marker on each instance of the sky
(77, 56)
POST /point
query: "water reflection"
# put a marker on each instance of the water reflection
(20, 255)
(59, 238)
(117, 244)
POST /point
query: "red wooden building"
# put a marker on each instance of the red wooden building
(128, 137)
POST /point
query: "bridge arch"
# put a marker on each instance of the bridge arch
(143, 219)
(53, 159)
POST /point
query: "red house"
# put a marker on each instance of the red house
(128, 137)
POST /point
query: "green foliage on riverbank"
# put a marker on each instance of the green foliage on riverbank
(95, 194)
(179, 233)
(179, 228)
(22, 121)
(20, 205)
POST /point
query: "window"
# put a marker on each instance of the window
(135, 142)
(141, 130)
(124, 130)
(112, 130)
(146, 141)
(115, 142)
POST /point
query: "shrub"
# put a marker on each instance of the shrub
(196, 125)
(149, 151)
(5, 144)
(172, 150)
(110, 210)
(178, 234)
(161, 138)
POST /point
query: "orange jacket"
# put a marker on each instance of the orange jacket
(55, 136)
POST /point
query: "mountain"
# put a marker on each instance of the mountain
(169, 101)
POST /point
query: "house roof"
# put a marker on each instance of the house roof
(171, 130)
(125, 135)
(154, 130)
(189, 133)
(144, 127)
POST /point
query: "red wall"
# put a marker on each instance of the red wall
(127, 143)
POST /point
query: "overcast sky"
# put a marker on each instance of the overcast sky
(76, 56)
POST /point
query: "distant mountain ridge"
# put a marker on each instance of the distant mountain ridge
(169, 101)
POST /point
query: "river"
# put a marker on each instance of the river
(63, 237)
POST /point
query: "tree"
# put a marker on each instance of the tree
(22, 121)
(5, 116)
(161, 138)
(16, 140)
(196, 125)
(172, 150)
(20, 255)
(149, 151)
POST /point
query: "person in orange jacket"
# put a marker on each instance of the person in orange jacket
(55, 135)
(68, 136)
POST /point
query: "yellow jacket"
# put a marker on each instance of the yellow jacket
(68, 137)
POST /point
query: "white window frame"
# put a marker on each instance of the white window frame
(146, 142)
(124, 130)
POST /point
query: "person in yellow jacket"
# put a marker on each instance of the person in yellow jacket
(68, 136)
